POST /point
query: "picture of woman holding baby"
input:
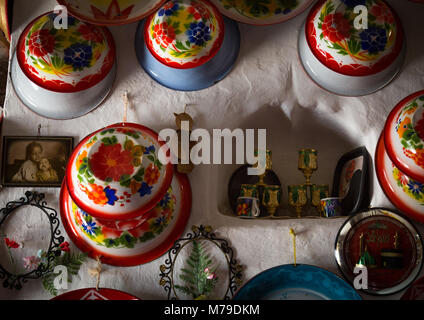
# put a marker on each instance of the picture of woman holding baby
(38, 162)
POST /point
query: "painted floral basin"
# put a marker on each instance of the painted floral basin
(336, 38)
(404, 192)
(65, 60)
(151, 239)
(115, 173)
(404, 135)
(111, 12)
(184, 33)
(261, 12)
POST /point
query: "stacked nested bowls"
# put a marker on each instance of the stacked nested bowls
(347, 56)
(117, 195)
(63, 73)
(400, 156)
(187, 45)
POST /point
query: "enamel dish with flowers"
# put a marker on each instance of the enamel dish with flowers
(187, 45)
(115, 173)
(400, 158)
(63, 73)
(111, 12)
(349, 54)
(262, 12)
(118, 201)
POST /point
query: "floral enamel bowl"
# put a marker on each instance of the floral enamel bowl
(63, 73)
(347, 57)
(405, 193)
(261, 12)
(404, 135)
(111, 12)
(184, 33)
(187, 45)
(132, 246)
(115, 173)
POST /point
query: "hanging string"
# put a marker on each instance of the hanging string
(126, 102)
(96, 272)
(293, 234)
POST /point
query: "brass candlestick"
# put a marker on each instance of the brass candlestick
(307, 163)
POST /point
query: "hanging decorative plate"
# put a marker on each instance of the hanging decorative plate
(405, 193)
(184, 33)
(383, 242)
(93, 294)
(111, 12)
(115, 172)
(404, 135)
(296, 282)
(352, 181)
(262, 12)
(65, 60)
(136, 246)
(354, 51)
(415, 291)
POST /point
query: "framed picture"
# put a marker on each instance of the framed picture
(352, 181)
(35, 161)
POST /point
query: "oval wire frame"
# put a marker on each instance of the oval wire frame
(203, 233)
(34, 199)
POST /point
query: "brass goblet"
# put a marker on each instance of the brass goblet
(307, 163)
(318, 192)
(271, 198)
(268, 166)
(297, 197)
(249, 190)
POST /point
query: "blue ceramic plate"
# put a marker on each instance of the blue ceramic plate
(300, 282)
(197, 78)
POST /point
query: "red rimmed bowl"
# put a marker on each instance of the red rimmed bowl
(184, 34)
(166, 222)
(63, 73)
(349, 58)
(405, 193)
(116, 174)
(111, 12)
(404, 135)
(263, 13)
(95, 294)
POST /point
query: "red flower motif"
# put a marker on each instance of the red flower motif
(336, 27)
(90, 33)
(198, 11)
(151, 175)
(11, 244)
(111, 162)
(382, 13)
(163, 34)
(41, 43)
(64, 246)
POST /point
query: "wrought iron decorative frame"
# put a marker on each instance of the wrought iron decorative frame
(33, 199)
(202, 233)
